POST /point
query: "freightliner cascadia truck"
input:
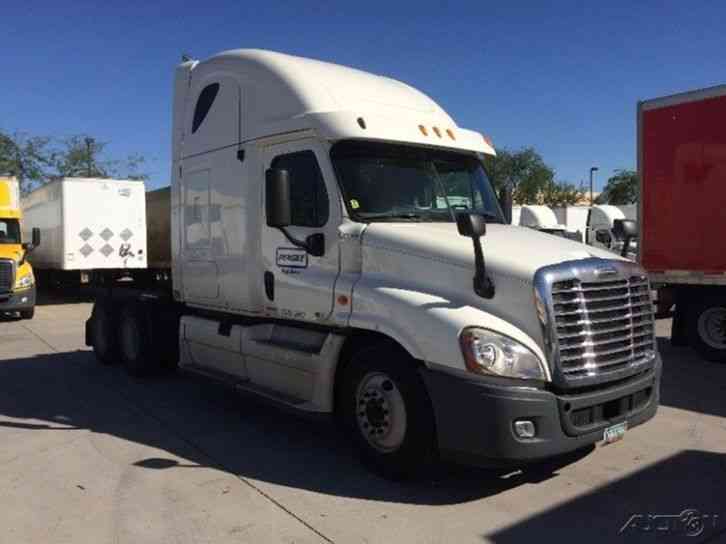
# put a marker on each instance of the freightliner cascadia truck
(17, 282)
(682, 218)
(337, 248)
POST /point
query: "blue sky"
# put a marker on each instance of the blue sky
(563, 77)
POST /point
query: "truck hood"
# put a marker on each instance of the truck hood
(508, 250)
(11, 251)
(433, 258)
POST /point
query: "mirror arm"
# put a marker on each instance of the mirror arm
(483, 285)
(293, 241)
(626, 246)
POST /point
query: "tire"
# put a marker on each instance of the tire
(27, 314)
(103, 332)
(384, 406)
(135, 341)
(707, 328)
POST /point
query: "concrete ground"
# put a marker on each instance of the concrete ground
(87, 454)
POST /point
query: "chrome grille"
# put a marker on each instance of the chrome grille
(7, 269)
(602, 326)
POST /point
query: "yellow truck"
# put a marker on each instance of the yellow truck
(17, 283)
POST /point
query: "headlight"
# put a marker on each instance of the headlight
(25, 281)
(489, 353)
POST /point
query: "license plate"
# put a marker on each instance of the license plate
(615, 432)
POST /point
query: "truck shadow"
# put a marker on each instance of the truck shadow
(76, 294)
(618, 511)
(691, 383)
(206, 424)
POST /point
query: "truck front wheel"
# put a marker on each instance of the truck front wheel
(27, 314)
(135, 343)
(708, 328)
(385, 407)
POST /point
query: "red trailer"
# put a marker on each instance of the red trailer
(682, 215)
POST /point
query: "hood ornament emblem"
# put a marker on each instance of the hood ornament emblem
(605, 271)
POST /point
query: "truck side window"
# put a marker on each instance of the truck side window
(309, 198)
(204, 104)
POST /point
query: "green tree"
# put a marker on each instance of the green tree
(524, 170)
(622, 188)
(28, 158)
(562, 194)
(84, 156)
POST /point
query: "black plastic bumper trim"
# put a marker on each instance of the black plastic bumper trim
(474, 419)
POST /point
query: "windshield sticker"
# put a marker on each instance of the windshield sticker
(354, 204)
(291, 257)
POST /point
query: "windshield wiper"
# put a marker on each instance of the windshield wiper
(399, 215)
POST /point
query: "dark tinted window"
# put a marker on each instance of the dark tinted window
(9, 231)
(204, 103)
(307, 188)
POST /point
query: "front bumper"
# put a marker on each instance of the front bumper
(17, 300)
(475, 418)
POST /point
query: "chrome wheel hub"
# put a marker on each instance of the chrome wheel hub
(380, 412)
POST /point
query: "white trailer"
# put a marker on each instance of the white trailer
(87, 225)
(573, 217)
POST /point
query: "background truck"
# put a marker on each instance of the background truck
(94, 227)
(682, 167)
(336, 248)
(601, 228)
(17, 283)
(543, 219)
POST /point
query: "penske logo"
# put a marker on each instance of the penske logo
(291, 257)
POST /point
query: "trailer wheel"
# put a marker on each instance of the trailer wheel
(708, 329)
(135, 343)
(103, 332)
(385, 407)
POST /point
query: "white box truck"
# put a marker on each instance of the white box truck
(90, 226)
(337, 248)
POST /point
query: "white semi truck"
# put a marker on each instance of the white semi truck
(337, 248)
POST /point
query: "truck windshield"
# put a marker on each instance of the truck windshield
(389, 182)
(9, 231)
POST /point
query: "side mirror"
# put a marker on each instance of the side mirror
(471, 225)
(474, 226)
(36, 237)
(625, 229)
(277, 198)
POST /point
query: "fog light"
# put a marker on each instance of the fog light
(524, 429)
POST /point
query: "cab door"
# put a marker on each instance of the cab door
(298, 285)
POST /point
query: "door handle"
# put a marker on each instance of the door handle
(270, 285)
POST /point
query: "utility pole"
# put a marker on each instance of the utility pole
(592, 170)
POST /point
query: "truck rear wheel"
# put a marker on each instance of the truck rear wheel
(385, 407)
(103, 332)
(135, 343)
(708, 328)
